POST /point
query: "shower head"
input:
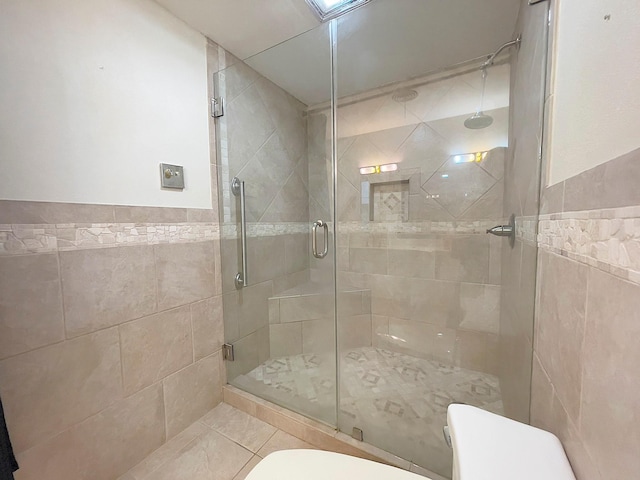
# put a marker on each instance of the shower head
(493, 56)
(478, 121)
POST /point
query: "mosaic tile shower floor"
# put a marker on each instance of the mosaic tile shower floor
(398, 400)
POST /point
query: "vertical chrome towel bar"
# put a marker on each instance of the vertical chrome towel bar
(237, 188)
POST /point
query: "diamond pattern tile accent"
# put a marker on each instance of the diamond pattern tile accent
(391, 201)
(481, 390)
(457, 186)
(371, 377)
(390, 406)
(398, 400)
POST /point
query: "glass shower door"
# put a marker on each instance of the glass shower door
(416, 192)
(275, 202)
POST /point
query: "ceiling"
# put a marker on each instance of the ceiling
(245, 27)
(384, 42)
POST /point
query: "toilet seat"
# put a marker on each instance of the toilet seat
(321, 465)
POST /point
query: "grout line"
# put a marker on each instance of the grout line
(243, 465)
(164, 408)
(48, 437)
(64, 340)
(162, 464)
(164, 415)
(155, 275)
(276, 430)
(588, 286)
(280, 189)
(62, 305)
(122, 364)
(193, 342)
(222, 434)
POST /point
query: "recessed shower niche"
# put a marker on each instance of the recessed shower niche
(388, 201)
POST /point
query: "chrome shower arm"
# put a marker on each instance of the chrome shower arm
(493, 56)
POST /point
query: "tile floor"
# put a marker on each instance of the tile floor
(225, 444)
(398, 400)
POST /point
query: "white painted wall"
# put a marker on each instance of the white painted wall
(595, 114)
(94, 94)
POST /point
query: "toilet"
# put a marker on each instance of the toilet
(485, 447)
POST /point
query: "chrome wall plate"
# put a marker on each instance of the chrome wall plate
(358, 434)
(171, 176)
(508, 231)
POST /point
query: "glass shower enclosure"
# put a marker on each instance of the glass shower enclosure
(360, 286)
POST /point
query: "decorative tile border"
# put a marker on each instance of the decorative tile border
(433, 228)
(478, 227)
(607, 239)
(267, 229)
(20, 239)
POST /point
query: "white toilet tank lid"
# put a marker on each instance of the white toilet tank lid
(319, 465)
(491, 447)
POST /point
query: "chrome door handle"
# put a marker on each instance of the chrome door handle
(237, 188)
(314, 239)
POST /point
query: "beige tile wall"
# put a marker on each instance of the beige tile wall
(102, 445)
(276, 264)
(305, 323)
(22, 328)
(262, 140)
(106, 353)
(430, 293)
(111, 332)
(585, 387)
